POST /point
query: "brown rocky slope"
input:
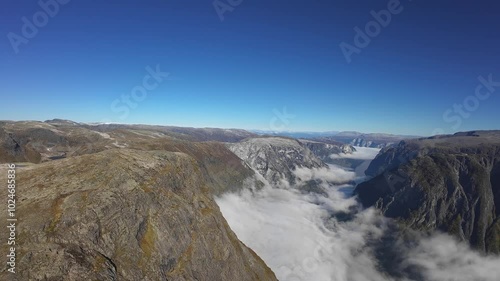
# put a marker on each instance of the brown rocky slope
(124, 202)
(125, 214)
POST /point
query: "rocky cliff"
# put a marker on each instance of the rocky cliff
(125, 214)
(324, 150)
(122, 203)
(447, 183)
(276, 158)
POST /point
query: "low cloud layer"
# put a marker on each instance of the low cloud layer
(316, 237)
(443, 258)
(331, 174)
(288, 230)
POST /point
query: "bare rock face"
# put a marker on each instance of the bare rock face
(125, 214)
(324, 150)
(329, 152)
(276, 158)
(448, 183)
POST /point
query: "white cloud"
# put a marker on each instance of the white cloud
(330, 174)
(444, 259)
(287, 229)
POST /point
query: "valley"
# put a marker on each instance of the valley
(149, 202)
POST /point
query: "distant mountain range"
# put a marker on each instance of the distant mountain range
(297, 135)
(375, 140)
(85, 189)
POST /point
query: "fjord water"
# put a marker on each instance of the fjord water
(310, 236)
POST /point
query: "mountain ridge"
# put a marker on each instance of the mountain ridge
(449, 183)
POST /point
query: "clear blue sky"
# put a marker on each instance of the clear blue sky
(264, 56)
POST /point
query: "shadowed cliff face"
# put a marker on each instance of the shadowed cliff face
(448, 183)
(125, 214)
(327, 152)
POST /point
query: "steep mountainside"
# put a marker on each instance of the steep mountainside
(449, 183)
(124, 214)
(324, 150)
(276, 158)
(329, 152)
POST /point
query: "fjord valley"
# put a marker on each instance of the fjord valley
(141, 202)
(239, 140)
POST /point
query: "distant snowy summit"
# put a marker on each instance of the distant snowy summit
(279, 159)
(374, 140)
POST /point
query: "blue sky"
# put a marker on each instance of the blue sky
(263, 58)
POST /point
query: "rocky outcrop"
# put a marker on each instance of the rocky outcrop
(447, 183)
(276, 158)
(324, 151)
(125, 214)
(332, 152)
